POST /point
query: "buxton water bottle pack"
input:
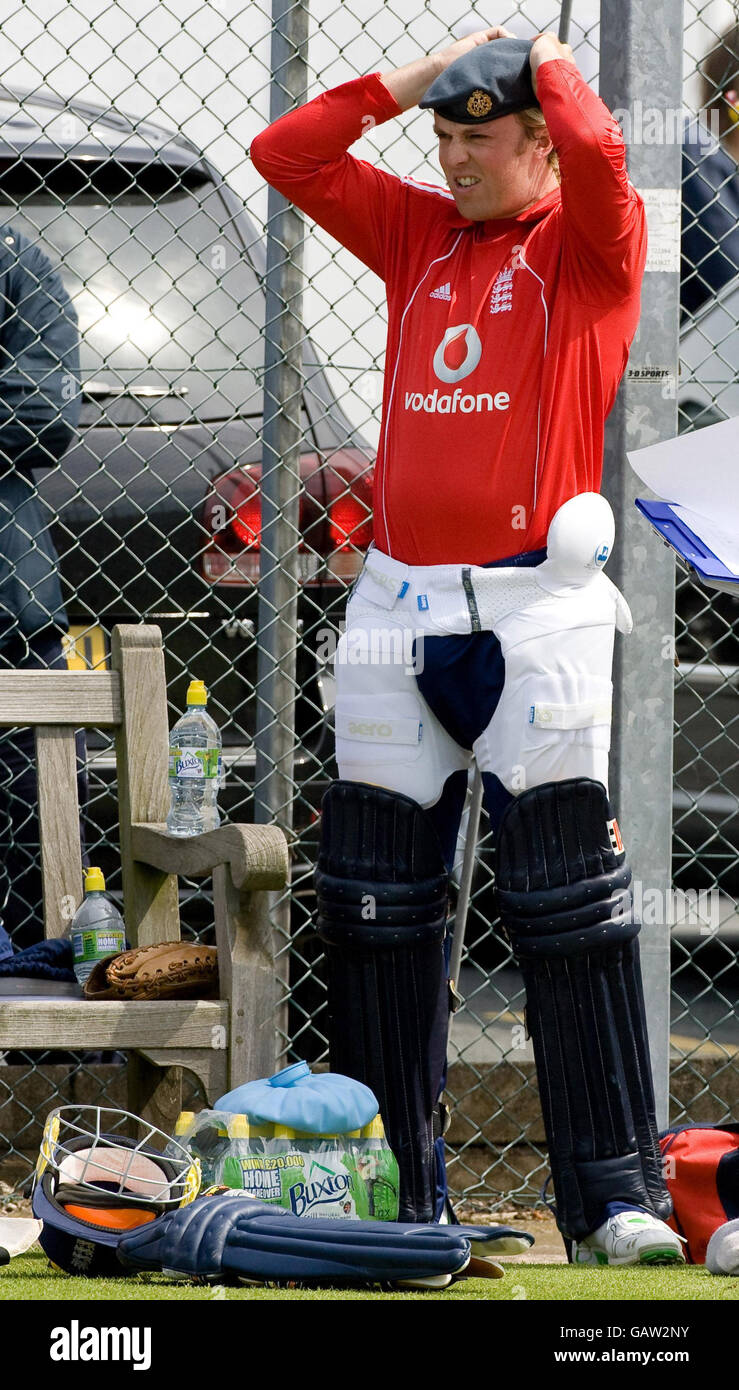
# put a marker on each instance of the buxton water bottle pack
(312, 1144)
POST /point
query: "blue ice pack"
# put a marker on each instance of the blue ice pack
(325, 1104)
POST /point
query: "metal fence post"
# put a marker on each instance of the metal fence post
(282, 433)
(641, 53)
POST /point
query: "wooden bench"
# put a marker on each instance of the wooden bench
(223, 1042)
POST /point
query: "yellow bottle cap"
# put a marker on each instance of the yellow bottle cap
(94, 881)
(197, 693)
(184, 1120)
(375, 1129)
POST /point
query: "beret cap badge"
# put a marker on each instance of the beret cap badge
(479, 104)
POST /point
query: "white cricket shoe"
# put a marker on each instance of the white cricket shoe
(631, 1238)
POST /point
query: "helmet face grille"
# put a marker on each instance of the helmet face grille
(94, 1148)
(101, 1173)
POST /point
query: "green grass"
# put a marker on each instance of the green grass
(29, 1278)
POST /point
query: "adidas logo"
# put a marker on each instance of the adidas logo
(443, 292)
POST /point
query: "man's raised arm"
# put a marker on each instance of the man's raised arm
(304, 154)
(604, 219)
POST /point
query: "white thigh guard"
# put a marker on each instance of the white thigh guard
(386, 733)
(553, 720)
(555, 624)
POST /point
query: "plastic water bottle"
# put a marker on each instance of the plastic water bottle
(194, 767)
(97, 928)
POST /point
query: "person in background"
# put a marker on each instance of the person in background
(710, 215)
(39, 410)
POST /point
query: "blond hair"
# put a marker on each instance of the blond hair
(533, 123)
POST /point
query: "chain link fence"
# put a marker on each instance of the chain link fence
(124, 135)
(704, 1034)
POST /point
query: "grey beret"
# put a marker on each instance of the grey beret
(490, 81)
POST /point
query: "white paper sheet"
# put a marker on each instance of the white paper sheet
(699, 471)
(723, 543)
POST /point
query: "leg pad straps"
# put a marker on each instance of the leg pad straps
(564, 897)
(382, 901)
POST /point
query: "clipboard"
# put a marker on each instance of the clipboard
(692, 553)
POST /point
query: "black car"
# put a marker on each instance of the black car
(156, 506)
(158, 502)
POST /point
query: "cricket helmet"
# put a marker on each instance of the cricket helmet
(101, 1173)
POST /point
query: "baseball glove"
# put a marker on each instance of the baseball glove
(167, 970)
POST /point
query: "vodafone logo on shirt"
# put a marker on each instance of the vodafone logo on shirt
(457, 355)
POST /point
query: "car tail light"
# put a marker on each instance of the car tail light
(335, 521)
(348, 483)
(349, 523)
(247, 521)
(233, 517)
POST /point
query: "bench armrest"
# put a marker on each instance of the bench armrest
(257, 854)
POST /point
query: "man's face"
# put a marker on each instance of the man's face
(494, 169)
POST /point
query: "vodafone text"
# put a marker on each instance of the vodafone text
(447, 402)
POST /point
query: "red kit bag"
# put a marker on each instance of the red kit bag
(701, 1168)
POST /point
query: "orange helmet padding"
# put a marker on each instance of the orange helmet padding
(114, 1218)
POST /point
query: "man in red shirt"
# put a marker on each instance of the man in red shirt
(513, 296)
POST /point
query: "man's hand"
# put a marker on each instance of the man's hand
(408, 84)
(470, 41)
(544, 48)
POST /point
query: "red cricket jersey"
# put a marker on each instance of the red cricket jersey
(506, 340)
